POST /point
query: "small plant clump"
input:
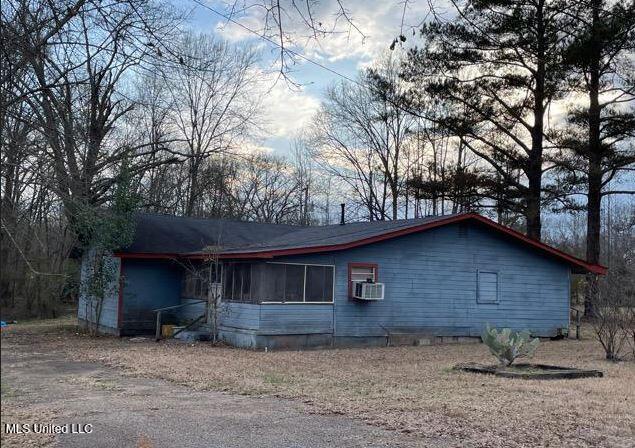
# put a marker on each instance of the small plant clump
(508, 345)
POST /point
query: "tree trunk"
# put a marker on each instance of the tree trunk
(192, 194)
(594, 198)
(395, 201)
(534, 174)
(532, 213)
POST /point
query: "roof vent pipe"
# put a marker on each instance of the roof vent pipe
(342, 217)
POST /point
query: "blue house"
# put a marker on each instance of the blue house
(365, 283)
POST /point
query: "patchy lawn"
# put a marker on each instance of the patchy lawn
(409, 389)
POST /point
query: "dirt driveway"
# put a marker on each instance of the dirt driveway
(125, 411)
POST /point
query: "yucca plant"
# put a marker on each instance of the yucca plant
(508, 345)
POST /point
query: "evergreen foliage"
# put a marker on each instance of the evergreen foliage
(104, 231)
(496, 69)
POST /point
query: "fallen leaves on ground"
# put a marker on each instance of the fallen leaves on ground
(408, 389)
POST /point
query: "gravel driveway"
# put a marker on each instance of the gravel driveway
(128, 411)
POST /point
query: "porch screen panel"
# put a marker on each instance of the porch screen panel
(245, 295)
(273, 282)
(282, 282)
(237, 285)
(294, 283)
(319, 284)
(228, 281)
(256, 282)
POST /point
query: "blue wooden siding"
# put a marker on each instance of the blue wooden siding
(87, 306)
(148, 285)
(296, 318)
(431, 285)
(243, 316)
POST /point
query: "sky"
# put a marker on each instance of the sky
(289, 106)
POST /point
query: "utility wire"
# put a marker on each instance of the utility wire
(295, 53)
(274, 43)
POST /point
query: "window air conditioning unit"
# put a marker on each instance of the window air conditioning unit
(368, 291)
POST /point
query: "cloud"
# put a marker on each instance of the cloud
(366, 30)
(237, 33)
(289, 110)
(253, 147)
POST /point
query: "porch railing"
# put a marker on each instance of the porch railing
(159, 311)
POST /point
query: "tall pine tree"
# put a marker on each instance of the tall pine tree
(497, 66)
(598, 143)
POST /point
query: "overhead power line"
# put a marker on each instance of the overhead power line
(274, 43)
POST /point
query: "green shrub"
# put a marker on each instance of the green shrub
(508, 345)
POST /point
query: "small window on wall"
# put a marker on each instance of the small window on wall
(487, 287)
(361, 272)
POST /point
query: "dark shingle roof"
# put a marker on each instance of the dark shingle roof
(166, 234)
(170, 235)
(331, 235)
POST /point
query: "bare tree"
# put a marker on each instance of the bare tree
(216, 103)
(442, 175)
(75, 91)
(360, 136)
(149, 124)
(614, 316)
(287, 24)
(63, 103)
(267, 190)
(27, 28)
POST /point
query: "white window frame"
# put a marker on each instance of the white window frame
(278, 302)
(373, 270)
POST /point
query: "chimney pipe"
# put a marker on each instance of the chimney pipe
(342, 217)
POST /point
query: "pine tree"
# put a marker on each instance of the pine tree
(497, 66)
(598, 143)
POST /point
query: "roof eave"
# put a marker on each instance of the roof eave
(578, 265)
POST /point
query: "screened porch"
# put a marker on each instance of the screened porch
(265, 282)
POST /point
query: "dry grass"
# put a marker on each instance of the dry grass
(410, 389)
(12, 414)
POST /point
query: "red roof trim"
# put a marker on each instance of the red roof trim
(594, 268)
(147, 255)
(597, 269)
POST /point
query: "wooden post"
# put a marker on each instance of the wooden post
(157, 336)
(577, 324)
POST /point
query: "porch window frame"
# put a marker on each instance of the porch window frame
(295, 302)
